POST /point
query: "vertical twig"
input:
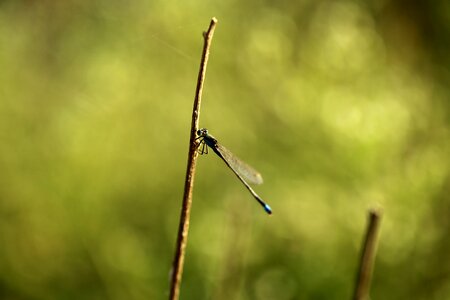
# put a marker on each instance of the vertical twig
(183, 229)
(363, 280)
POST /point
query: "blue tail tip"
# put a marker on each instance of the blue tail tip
(267, 209)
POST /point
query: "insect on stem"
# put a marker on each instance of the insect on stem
(243, 171)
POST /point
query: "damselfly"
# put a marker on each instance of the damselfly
(239, 168)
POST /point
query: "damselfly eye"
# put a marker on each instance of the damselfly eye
(202, 132)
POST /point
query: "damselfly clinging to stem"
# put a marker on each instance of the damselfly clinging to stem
(240, 169)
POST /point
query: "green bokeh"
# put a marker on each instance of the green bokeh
(341, 105)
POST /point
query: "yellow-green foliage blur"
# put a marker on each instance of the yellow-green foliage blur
(341, 105)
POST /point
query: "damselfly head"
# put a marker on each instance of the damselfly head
(202, 132)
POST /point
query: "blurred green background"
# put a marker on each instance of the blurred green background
(341, 105)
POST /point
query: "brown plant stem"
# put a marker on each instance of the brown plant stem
(367, 259)
(183, 229)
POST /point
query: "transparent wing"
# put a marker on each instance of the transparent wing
(247, 172)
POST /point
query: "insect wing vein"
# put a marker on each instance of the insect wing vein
(247, 172)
